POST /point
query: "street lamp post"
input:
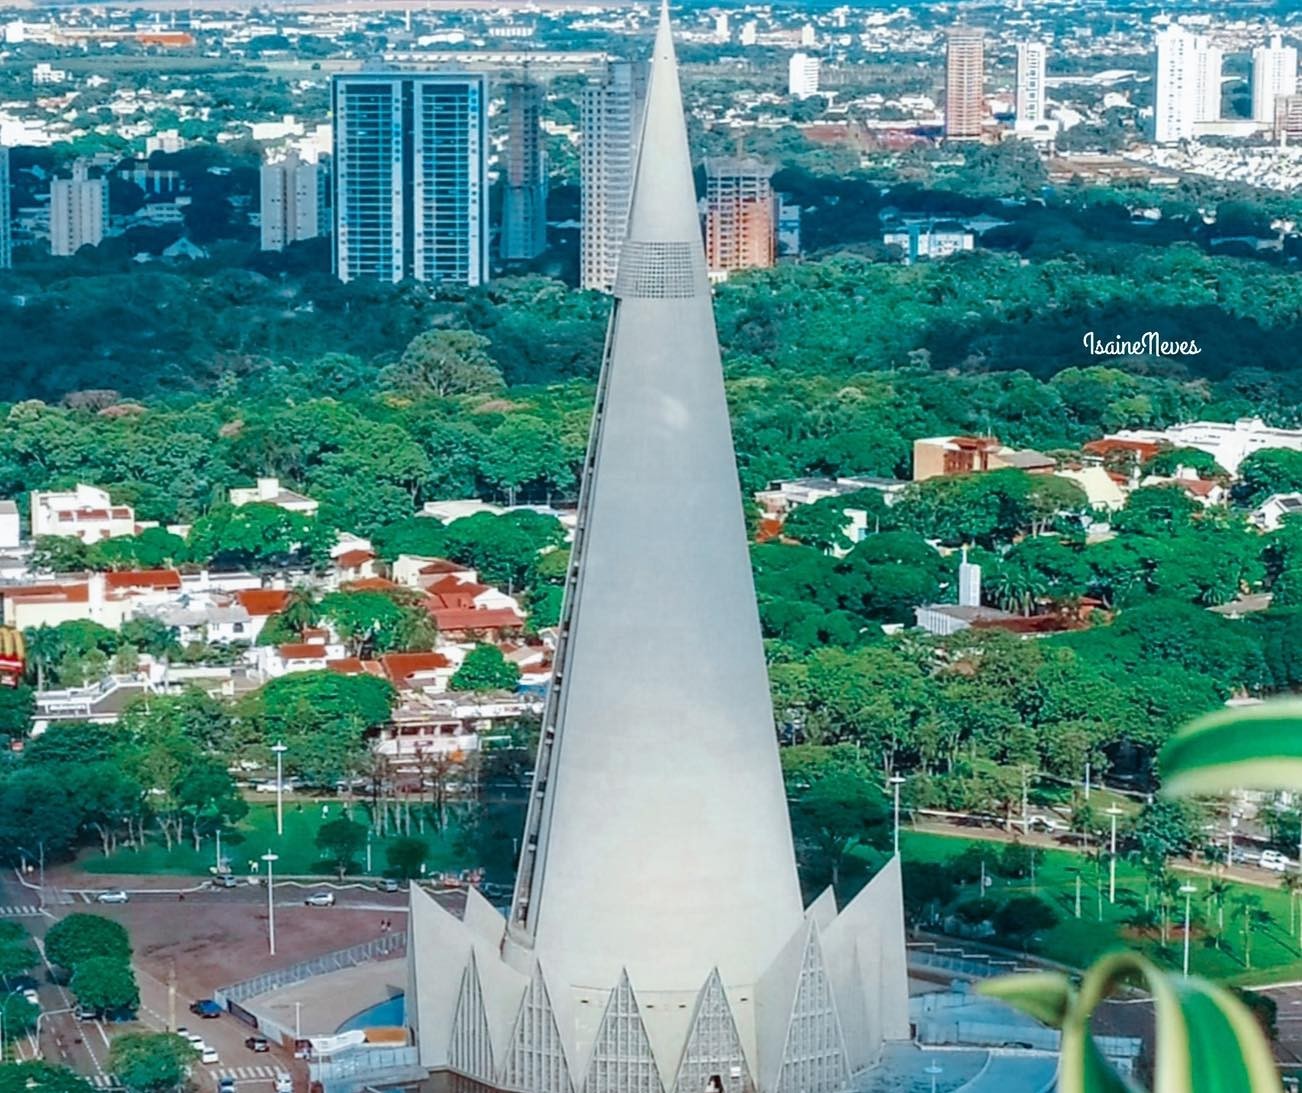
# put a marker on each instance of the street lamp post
(935, 1070)
(1113, 813)
(1187, 890)
(1078, 873)
(40, 856)
(280, 750)
(298, 1020)
(368, 850)
(897, 780)
(271, 858)
(219, 848)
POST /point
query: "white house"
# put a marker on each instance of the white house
(269, 491)
(85, 512)
(1271, 512)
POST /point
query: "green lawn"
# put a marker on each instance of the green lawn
(256, 834)
(1077, 941)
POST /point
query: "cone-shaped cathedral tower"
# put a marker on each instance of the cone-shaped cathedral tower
(656, 941)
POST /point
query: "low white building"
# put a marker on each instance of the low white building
(10, 532)
(1228, 442)
(1271, 512)
(85, 512)
(447, 511)
(269, 491)
(1101, 490)
(929, 239)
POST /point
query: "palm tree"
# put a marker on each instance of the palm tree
(1217, 891)
(1253, 915)
(1291, 882)
(300, 610)
(44, 649)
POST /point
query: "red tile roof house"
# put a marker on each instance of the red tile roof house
(354, 565)
(295, 656)
(428, 672)
(106, 598)
(261, 604)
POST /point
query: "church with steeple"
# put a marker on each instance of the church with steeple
(657, 941)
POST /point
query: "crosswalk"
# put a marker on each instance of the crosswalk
(235, 1073)
(19, 910)
(247, 1073)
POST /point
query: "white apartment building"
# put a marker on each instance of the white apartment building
(1030, 104)
(86, 513)
(78, 212)
(1187, 84)
(294, 201)
(1274, 74)
(610, 117)
(802, 75)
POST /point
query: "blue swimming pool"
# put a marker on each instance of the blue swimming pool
(392, 1012)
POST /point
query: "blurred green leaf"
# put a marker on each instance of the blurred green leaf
(1257, 747)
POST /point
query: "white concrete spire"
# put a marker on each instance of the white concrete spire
(664, 734)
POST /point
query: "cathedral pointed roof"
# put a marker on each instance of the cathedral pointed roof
(658, 837)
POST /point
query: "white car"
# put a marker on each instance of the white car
(115, 895)
(207, 1054)
(284, 1083)
(31, 996)
(1274, 861)
(320, 899)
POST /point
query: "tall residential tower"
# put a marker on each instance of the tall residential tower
(1030, 84)
(78, 211)
(1187, 84)
(295, 201)
(657, 941)
(1274, 73)
(6, 224)
(524, 171)
(410, 192)
(611, 115)
(739, 215)
(965, 65)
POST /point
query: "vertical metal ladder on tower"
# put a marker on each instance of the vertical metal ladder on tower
(521, 924)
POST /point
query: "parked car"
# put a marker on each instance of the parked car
(225, 880)
(205, 1007)
(287, 786)
(193, 1038)
(1274, 861)
(389, 884)
(320, 899)
(114, 895)
(257, 1043)
(31, 996)
(207, 1054)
